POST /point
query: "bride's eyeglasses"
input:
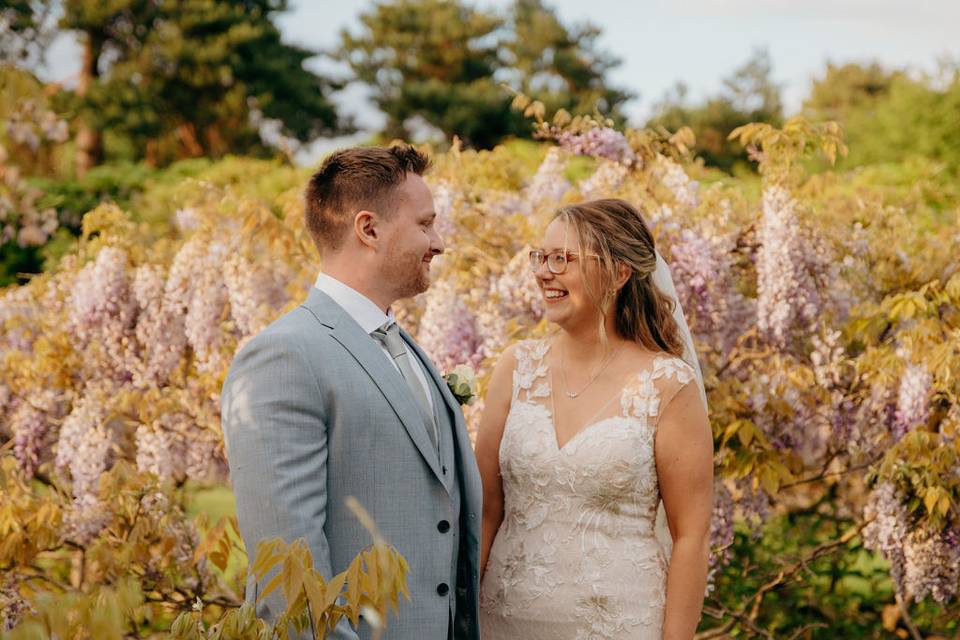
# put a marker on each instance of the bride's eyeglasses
(557, 261)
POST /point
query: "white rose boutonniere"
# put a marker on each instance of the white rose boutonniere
(462, 382)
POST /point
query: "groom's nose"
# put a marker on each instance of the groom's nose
(436, 243)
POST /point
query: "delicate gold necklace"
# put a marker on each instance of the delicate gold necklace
(563, 372)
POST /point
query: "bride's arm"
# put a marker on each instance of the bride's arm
(684, 457)
(495, 408)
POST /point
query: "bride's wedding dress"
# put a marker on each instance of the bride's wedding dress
(576, 556)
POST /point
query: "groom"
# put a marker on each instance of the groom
(334, 400)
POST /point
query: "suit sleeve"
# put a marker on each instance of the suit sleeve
(275, 431)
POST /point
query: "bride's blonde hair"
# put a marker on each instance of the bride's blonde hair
(617, 233)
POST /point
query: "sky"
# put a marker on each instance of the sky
(696, 42)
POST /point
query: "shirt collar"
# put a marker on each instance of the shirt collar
(358, 306)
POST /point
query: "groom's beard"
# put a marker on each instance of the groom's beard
(407, 273)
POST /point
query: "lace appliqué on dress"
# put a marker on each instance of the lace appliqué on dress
(576, 556)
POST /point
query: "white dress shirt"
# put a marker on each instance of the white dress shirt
(370, 318)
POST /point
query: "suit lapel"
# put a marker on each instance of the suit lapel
(370, 357)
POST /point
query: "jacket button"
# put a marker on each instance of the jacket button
(443, 526)
(443, 589)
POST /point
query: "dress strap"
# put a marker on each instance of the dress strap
(643, 397)
(530, 378)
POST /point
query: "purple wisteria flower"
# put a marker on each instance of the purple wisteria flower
(599, 142)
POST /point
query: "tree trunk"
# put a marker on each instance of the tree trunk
(187, 134)
(89, 140)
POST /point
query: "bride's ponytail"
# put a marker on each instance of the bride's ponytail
(617, 233)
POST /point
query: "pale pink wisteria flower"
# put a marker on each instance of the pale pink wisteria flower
(599, 142)
(84, 446)
(255, 294)
(204, 320)
(159, 330)
(932, 564)
(13, 606)
(887, 528)
(605, 181)
(195, 288)
(32, 423)
(205, 459)
(923, 562)
(86, 519)
(18, 314)
(787, 295)
(445, 198)
(186, 219)
(189, 261)
(685, 190)
(913, 399)
(447, 330)
(512, 299)
(548, 184)
(161, 450)
(102, 308)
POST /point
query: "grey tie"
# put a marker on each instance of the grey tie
(389, 335)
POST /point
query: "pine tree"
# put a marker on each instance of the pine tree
(182, 78)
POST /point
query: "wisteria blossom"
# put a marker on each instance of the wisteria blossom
(84, 445)
(787, 295)
(605, 181)
(599, 142)
(444, 201)
(161, 449)
(160, 328)
(102, 310)
(697, 265)
(548, 184)
(721, 532)
(255, 294)
(888, 527)
(512, 296)
(923, 562)
(28, 126)
(32, 422)
(913, 399)
(448, 331)
(685, 191)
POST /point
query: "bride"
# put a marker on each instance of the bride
(584, 433)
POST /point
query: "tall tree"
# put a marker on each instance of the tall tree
(444, 61)
(847, 88)
(749, 95)
(180, 78)
(434, 59)
(109, 30)
(560, 66)
(888, 115)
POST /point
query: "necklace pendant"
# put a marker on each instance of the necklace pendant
(571, 394)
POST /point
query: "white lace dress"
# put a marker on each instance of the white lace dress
(576, 556)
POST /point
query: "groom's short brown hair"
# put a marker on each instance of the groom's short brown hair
(352, 180)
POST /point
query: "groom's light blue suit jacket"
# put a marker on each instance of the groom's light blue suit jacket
(313, 412)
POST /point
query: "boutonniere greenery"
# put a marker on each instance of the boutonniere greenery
(462, 382)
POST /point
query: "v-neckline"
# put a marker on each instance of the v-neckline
(592, 421)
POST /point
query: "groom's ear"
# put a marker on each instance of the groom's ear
(365, 226)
